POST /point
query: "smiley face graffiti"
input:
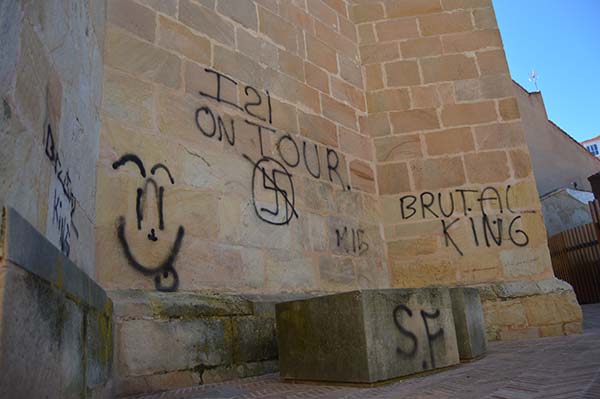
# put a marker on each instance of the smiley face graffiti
(165, 276)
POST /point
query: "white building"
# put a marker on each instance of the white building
(592, 145)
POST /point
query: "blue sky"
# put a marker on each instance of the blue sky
(561, 40)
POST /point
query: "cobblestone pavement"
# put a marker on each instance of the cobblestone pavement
(548, 368)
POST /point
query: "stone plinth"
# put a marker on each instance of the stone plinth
(469, 322)
(366, 336)
(56, 334)
(174, 340)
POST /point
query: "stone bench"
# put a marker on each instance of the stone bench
(376, 335)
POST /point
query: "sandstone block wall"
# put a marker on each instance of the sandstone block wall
(312, 145)
(170, 340)
(50, 88)
(243, 117)
(457, 190)
(453, 169)
(56, 334)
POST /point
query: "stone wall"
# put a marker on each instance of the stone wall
(454, 173)
(454, 176)
(309, 146)
(256, 147)
(56, 338)
(169, 340)
(244, 117)
(50, 88)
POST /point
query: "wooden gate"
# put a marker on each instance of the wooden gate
(576, 257)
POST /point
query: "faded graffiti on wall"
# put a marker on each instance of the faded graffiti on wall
(351, 240)
(164, 273)
(62, 200)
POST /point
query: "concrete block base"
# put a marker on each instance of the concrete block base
(178, 339)
(366, 336)
(55, 322)
(468, 322)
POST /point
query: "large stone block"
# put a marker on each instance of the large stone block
(369, 336)
(67, 347)
(468, 322)
(173, 340)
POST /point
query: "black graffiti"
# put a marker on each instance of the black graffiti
(271, 175)
(63, 223)
(332, 167)
(260, 129)
(254, 95)
(288, 139)
(294, 160)
(427, 203)
(447, 237)
(130, 158)
(411, 199)
(165, 275)
(524, 237)
(210, 122)
(215, 123)
(485, 229)
(165, 270)
(412, 337)
(164, 168)
(431, 337)
(359, 246)
(442, 210)
(59, 219)
(489, 232)
(428, 206)
(407, 333)
(316, 174)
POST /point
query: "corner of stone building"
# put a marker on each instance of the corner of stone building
(67, 350)
(444, 120)
(530, 309)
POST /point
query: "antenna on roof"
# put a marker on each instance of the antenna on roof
(533, 77)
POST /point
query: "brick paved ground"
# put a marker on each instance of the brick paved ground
(549, 368)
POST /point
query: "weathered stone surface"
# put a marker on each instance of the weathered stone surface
(28, 249)
(509, 309)
(372, 335)
(428, 66)
(176, 339)
(99, 349)
(207, 22)
(141, 59)
(152, 346)
(256, 339)
(68, 346)
(188, 305)
(468, 322)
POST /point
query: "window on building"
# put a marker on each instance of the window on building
(593, 149)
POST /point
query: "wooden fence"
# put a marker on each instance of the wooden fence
(576, 257)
